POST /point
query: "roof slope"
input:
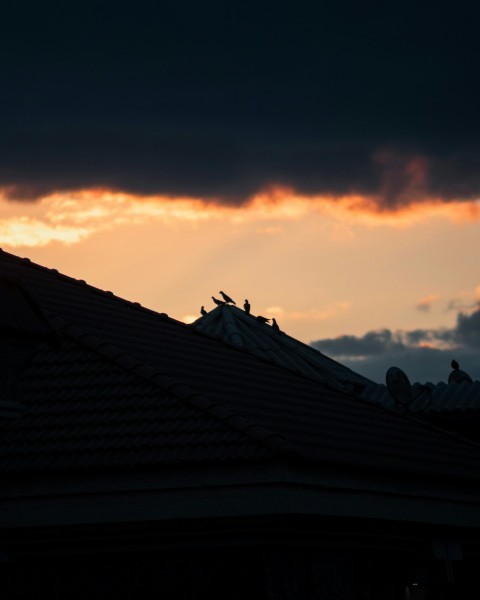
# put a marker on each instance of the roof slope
(241, 330)
(82, 410)
(430, 397)
(320, 423)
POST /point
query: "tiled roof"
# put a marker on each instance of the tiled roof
(18, 313)
(82, 409)
(241, 330)
(131, 386)
(430, 397)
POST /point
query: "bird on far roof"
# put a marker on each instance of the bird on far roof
(275, 326)
(218, 302)
(203, 311)
(246, 306)
(261, 319)
(454, 364)
(227, 299)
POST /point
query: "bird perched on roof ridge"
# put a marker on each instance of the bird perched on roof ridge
(203, 311)
(261, 319)
(246, 306)
(227, 299)
(218, 302)
(275, 326)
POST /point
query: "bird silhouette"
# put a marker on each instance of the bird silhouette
(227, 299)
(261, 319)
(454, 364)
(246, 307)
(203, 311)
(218, 302)
(275, 326)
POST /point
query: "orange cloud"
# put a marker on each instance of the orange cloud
(30, 232)
(69, 218)
(465, 301)
(425, 303)
(285, 204)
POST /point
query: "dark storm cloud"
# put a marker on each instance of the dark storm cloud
(468, 329)
(373, 353)
(370, 344)
(222, 99)
(420, 364)
(429, 336)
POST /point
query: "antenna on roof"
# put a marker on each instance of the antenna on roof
(399, 386)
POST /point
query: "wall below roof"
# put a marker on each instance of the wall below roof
(268, 490)
(283, 569)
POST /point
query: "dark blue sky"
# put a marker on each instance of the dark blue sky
(221, 99)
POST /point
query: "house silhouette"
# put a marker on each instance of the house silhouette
(141, 455)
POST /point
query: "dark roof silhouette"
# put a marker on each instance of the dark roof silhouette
(247, 333)
(128, 386)
(86, 406)
(431, 397)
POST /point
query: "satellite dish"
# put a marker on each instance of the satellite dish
(399, 386)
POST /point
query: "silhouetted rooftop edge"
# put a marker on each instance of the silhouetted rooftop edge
(265, 400)
(244, 332)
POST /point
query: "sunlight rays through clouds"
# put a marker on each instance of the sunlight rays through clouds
(327, 265)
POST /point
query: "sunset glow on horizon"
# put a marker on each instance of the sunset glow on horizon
(323, 266)
(69, 217)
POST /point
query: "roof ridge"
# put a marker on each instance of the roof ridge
(408, 417)
(411, 417)
(292, 344)
(81, 282)
(273, 441)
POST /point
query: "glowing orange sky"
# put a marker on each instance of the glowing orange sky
(323, 266)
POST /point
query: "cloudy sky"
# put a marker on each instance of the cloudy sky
(320, 159)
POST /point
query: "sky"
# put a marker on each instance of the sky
(320, 159)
